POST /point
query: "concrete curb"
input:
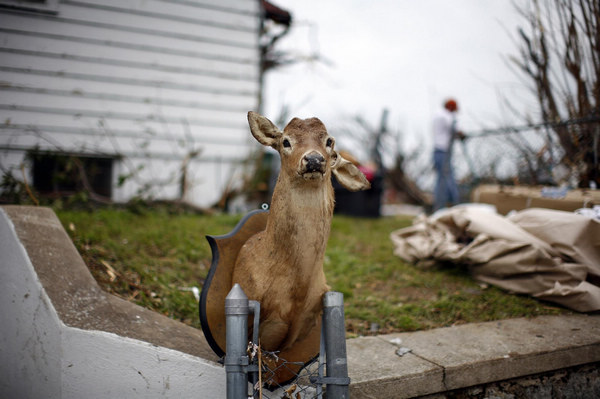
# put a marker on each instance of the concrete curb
(451, 358)
(63, 337)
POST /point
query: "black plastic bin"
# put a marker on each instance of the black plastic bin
(360, 203)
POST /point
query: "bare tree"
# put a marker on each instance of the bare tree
(559, 55)
(378, 145)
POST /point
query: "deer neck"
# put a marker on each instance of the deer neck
(300, 221)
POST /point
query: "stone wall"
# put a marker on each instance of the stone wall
(570, 383)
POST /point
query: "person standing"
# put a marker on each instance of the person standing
(445, 131)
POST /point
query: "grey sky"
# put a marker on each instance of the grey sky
(407, 56)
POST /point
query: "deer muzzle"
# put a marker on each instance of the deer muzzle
(312, 165)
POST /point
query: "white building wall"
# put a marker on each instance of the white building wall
(145, 81)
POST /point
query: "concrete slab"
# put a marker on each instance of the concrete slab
(477, 353)
(376, 371)
(72, 353)
(78, 299)
(472, 354)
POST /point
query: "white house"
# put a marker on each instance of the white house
(150, 96)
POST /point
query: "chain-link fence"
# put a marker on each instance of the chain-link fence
(530, 155)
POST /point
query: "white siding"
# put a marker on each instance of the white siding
(144, 80)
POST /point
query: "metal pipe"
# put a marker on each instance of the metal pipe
(236, 357)
(335, 345)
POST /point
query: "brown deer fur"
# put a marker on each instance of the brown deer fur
(282, 267)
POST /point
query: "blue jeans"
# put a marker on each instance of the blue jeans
(445, 190)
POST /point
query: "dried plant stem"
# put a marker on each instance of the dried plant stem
(35, 200)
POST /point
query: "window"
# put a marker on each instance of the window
(59, 175)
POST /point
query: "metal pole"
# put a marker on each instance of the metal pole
(335, 345)
(236, 358)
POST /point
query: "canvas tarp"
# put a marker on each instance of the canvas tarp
(551, 255)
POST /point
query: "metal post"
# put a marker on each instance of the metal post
(236, 358)
(335, 345)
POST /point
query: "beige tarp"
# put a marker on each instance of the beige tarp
(551, 255)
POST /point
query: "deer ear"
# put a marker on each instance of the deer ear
(348, 175)
(263, 130)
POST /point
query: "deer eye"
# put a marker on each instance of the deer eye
(329, 142)
(286, 143)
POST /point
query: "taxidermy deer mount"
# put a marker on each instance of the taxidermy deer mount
(282, 266)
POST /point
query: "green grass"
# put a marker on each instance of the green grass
(148, 257)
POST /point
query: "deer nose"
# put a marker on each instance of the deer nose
(314, 162)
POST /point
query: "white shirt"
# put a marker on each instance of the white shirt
(442, 129)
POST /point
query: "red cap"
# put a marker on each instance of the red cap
(451, 105)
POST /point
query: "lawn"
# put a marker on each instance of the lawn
(153, 257)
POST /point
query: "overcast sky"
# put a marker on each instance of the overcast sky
(404, 55)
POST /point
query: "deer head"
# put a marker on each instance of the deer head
(307, 152)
